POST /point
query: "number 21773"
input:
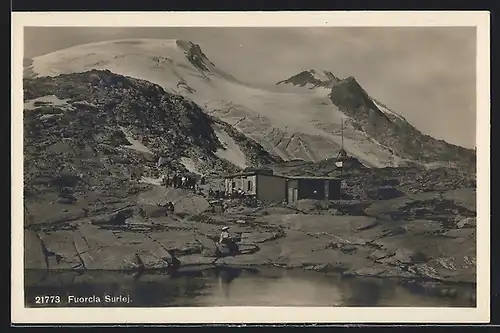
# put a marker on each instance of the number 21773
(47, 299)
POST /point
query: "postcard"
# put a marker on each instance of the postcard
(236, 167)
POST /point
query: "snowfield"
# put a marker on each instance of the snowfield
(50, 100)
(386, 110)
(291, 122)
(190, 165)
(232, 151)
(135, 144)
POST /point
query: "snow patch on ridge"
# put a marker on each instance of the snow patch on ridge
(231, 151)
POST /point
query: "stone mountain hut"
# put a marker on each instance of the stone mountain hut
(264, 185)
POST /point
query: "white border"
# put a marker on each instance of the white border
(481, 313)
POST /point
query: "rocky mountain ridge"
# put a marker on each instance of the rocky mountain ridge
(384, 126)
(98, 122)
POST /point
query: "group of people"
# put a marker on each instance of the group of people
(239, 193)
(217, 194)
(180, 181)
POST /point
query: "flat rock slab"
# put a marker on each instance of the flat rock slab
(34, 257)
(422, 226)
(384, 207)
(153, 211)
(259, 237)
(185, 201)
(191, 205)
(62, 253)
(179, 241)
(308, 205)
(47, 213)
(319, 223)
(275, 211)
(469, 222)
(107, 249)
(459, 199)
(197, 259)
(404, 256)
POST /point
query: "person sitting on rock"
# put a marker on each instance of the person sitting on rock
(227, 240)
(224, 235)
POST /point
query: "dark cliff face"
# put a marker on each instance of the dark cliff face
(195, 55)
(353, 100)
(395, 133)
(310, 77)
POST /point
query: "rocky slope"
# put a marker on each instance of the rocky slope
(93, 143)
(362, 183)
(99, 128)
(291, 121)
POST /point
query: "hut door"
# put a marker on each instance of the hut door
(292, 195)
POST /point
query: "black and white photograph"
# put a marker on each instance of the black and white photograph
(211, 166)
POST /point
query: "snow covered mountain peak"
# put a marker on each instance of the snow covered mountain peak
(300, 120)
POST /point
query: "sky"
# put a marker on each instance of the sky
(426, 74)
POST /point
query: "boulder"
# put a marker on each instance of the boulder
(469, 222)
(405, 257)
(68, 200)
(117, 218)
(191, 205)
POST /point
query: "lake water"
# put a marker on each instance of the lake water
(229, 286)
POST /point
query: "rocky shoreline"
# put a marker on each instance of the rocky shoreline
(135, 235)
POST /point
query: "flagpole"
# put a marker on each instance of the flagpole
(342, 145)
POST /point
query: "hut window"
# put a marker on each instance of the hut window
(250, 185)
